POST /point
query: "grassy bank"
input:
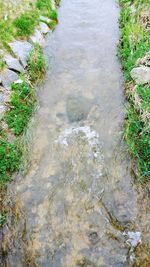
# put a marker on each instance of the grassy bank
(22, 102)
(133, 51)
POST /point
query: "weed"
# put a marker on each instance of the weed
(26, 23)
(2, 63)
(53, 15)
(2, 219)
(43, 4)
(36, 64)
(57, 2)
(135, 42)
(22, 104)
(144, 94)
(10, 159)
(137, 137)
(6, 32)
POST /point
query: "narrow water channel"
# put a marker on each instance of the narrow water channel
(78, 204)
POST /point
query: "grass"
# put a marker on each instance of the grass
(134, 44)
(10, 159)
(26, 23)
(2, 63)
(36, 64)
(22, 102)
(45, 7)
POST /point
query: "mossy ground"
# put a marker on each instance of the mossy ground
(134, 44)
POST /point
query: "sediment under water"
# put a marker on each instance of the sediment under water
(78, 203)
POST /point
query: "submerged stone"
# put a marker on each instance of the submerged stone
(78, 108)
(8, 77)
(21, 50)
(141, 75)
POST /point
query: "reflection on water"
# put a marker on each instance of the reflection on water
(77, 205)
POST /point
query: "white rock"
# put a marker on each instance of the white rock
(7, 77)
(21, 50)
(18, 81)
(53, 5)
(13, 63)
(44, 29)
(141, 75)
(45, 19)
(37, 38)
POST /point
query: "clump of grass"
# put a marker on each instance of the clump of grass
(135, 41)
(26, 23)
(6, 32)
(2, 219)
(36, 64)
(134, 44)
(144, 94)
(137, 137)
(10, 159)
(43, 4)
(46, 8)
(57, 2)
(53, 15)
(22, 104)
(2, 63)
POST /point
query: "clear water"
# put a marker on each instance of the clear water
(78, 204)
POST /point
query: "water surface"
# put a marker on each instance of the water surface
(78, 204)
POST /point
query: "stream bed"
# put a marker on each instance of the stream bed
(78, 204)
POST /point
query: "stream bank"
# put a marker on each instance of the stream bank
(22, 67)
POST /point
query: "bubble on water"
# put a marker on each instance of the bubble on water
(85, 133)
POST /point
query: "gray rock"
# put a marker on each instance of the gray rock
(141, 75)
(13, 63)
(21, 50)
(45, 19)
(44, 29)
(2, 110)
(37, 38)
(7, 77)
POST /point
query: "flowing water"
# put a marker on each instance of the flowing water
(78, 204)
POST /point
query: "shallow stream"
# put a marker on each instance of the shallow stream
(78, 203)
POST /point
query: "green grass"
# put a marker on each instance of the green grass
(2, 63)
(43, 4)
(22, 104)
(26, 23)
(137, 138)
(57, 2)
(134, 44)
(144, 94)
(53, 15)
(2, 218)
(135, 41)
(6, 33)
(36, 64)
(10, 158)
(45, 7)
